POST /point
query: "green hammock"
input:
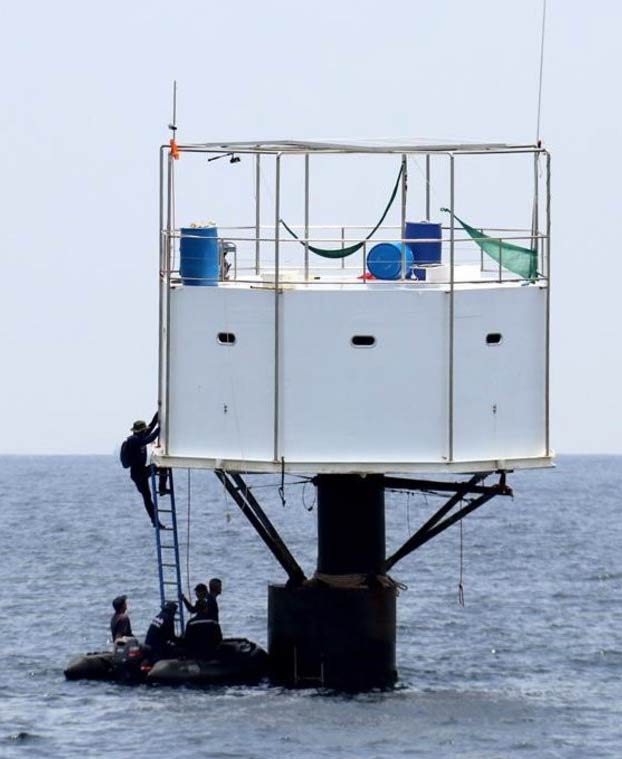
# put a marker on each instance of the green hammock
(514, 258)
(344, 252)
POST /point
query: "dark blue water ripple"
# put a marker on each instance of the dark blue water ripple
(530, 667)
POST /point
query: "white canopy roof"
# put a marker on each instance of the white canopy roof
(399, 145)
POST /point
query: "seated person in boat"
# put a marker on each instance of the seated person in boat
(161, 641)
(215, 589)
(203, 635)
(201, 594)
(120, 626)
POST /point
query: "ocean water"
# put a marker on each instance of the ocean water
(531, 666)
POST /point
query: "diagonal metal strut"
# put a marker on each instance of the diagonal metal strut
(249, 506)
(434, 526)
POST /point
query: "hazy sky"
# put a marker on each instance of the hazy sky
(86, 101)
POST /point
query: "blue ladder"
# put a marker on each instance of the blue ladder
(167, 547)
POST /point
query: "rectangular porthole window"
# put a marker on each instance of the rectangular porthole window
(363, 341)
(494, 338)
(226, 338)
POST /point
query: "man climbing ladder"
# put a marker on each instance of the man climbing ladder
(134, 457)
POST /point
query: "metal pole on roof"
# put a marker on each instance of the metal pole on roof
(427, 187)
(403, 232)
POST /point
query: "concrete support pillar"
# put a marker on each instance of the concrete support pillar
(339, 630)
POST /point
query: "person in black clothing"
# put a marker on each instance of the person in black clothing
(203, 635)
(142, 435)
(120, 622)
(161, 638)
(215, 589)
(201, 594)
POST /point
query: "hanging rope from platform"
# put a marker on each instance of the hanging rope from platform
(304, 503)
(226, 500)
(282, 485)
(460, 582)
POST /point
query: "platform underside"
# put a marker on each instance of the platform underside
(297, 467)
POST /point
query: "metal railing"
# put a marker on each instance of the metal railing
(238, 261)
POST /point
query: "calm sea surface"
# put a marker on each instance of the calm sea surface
(530, 667)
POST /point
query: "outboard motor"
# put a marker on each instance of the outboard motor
(127, 658)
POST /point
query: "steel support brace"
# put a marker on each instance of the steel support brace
(249, 506)
(438, 486)
(434, 526)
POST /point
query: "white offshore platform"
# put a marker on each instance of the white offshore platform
(281, 351)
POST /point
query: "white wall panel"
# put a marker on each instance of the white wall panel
(364, 404)
(499, 390)
(222, 397)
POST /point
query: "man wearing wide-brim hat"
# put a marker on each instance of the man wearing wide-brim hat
(136, 455)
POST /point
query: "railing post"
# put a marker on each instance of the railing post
(161, 293)
(427, 187)
(451, 310)
(535, 242)
(277, 215)
(547, 380)
(306, 217)
(170, 202)
(257, 212)
(403, 218)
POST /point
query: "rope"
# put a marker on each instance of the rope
(301, 481)
(304, 501)
(460, 583)
(282, 485)
(226, 499)
(354, 581)
(344, 252)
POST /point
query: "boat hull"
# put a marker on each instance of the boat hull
(237, 661)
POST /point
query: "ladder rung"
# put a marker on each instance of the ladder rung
(168, 547)
(167, 582)
(169, 565)
(165, 511)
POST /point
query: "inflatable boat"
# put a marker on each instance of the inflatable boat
(235, 661)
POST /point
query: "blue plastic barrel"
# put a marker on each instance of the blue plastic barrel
(199, 256)
(424, 252)
(384, 260)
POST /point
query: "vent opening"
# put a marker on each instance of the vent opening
(226, 338)
(363, 341)
(494, 338)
